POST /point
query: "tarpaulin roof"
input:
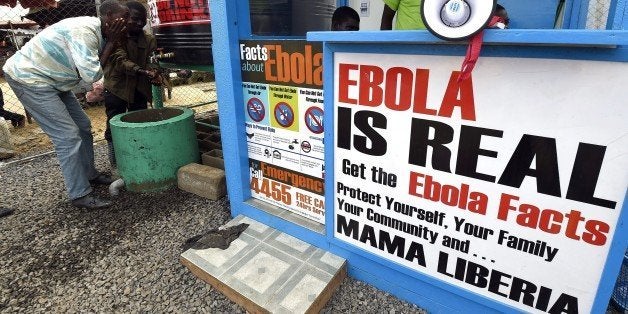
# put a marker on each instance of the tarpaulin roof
(64, 10)
(26, 23)
(30, 3)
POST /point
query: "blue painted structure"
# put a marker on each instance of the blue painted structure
(521, 17)
(230, 20)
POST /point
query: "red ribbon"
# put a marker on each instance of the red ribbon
(473, 51)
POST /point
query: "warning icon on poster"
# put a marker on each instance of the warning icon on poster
(284, 114)
(255, 109)
(314, 119)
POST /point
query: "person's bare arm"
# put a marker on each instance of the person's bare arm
(387, 18)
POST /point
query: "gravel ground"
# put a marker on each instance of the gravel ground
(56, 258)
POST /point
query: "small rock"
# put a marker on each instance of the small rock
(6, 153)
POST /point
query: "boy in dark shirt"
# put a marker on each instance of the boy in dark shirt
(129, 73)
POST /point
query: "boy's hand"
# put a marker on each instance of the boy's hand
(152, 74)
(157, 80)
(115, 30)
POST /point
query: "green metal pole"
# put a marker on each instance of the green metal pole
(158, 101)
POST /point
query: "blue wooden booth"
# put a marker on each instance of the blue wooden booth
(502, 193)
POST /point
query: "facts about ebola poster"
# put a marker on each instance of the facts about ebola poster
(508, 184)
(282, 88)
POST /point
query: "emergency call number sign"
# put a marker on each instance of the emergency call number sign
(502, 184)
(282, 85)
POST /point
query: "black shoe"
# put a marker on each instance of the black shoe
(90, 202)
(5, 211)
(101, 179)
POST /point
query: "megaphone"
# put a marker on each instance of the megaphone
(456, 19)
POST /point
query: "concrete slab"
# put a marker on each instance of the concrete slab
(268, 271)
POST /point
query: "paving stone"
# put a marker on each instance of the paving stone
(214, 159)
(268, 271)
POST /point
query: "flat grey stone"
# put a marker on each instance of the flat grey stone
(6, 153)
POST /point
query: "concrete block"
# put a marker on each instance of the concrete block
(212, 119)
(214, 159)
(214, 137)
(176, 81)
(205, 181)
(207, 145)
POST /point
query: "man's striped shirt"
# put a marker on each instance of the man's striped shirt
(61, 55)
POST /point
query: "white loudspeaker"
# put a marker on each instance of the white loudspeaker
(456, 19)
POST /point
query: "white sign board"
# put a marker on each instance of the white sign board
(508, 185)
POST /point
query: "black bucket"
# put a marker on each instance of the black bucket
(184, 28)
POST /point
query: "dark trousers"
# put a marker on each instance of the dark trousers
(115, 105)
(15, 118)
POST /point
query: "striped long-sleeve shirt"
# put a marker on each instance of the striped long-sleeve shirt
(61, 55)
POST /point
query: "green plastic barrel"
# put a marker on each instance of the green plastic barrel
(151, 145)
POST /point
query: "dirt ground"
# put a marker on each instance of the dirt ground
(30, 139)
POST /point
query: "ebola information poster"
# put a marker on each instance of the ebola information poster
(509, 184)
(283, 104)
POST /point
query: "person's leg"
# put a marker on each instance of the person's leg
(29, 118)
(139, 102)
(16, 119)
(114, 105)
(45, 105)
(80, 118)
